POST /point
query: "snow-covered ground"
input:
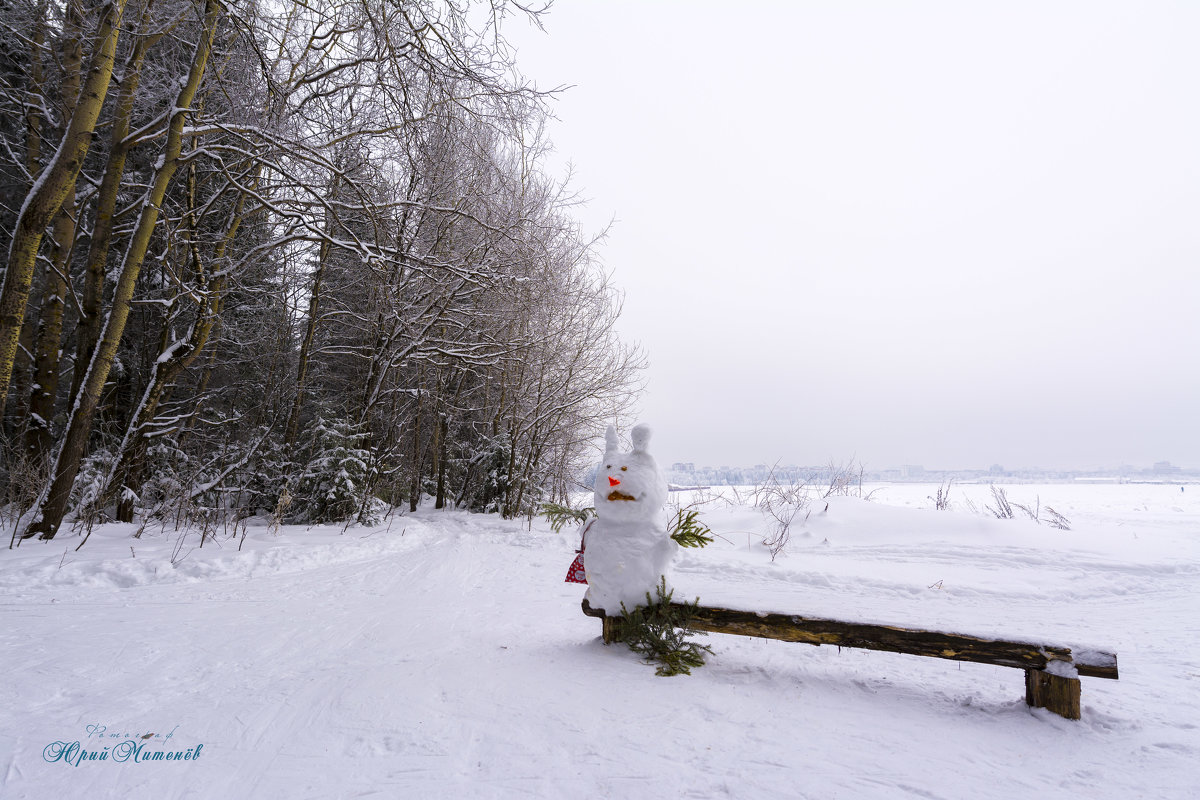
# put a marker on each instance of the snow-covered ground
(442, 655)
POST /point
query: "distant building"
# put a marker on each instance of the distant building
(911, 471)
(1165, 468)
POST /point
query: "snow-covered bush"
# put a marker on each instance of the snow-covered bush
(172, 476)
(268, 476)
(89, 482)
(335, 482)
(21, 478)
(485, 481)
(786, 500)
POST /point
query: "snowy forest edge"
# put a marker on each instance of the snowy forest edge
(289, 261)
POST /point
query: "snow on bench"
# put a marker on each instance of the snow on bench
(1051, 672)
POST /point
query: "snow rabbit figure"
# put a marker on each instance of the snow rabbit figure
(628, 549)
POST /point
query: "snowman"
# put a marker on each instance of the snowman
(627, 546)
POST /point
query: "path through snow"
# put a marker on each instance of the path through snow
(445, 657)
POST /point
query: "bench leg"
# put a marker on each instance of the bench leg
(612, 630)
(1052, 692)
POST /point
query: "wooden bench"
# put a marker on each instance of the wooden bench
(1051, 672)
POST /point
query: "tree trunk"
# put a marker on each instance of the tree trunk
(33, 105)
(531, 460)
(443, 435)
(52, 188)
(174, 357)
(414, 494)
(293, 425)
(21, 378)
(506, 508)
(53, 503)
(310, 330)
(88, 332)
(48, 349)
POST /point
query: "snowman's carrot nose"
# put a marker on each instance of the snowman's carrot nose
(613, 482)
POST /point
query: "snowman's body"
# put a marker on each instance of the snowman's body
(628, 549)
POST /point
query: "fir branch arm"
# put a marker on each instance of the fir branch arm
(687, 531)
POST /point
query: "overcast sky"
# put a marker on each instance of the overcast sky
(941, 233)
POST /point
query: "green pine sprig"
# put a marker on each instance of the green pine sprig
(688, 532)
(560, 515)
(659, 632)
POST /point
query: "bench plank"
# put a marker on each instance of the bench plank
(933, 644)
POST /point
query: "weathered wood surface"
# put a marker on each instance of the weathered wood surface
(611, 630)
(1052, 692)
(934, 644)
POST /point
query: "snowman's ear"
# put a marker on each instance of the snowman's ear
(610, 440)
(641, 437)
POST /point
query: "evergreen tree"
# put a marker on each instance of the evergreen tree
(335, 481)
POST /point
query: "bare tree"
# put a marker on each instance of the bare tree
(331, 242)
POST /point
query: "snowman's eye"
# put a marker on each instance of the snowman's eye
(608, 466)
(624, 468)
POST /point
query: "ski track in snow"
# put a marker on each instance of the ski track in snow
(443, 656)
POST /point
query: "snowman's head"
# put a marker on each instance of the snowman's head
(629, 486)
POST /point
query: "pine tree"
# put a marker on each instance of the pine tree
(334, 482)
(659, 632)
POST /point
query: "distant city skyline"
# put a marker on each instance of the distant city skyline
(916, 470)
(688, 474)
(934, 233)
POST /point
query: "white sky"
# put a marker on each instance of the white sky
(939, 233)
